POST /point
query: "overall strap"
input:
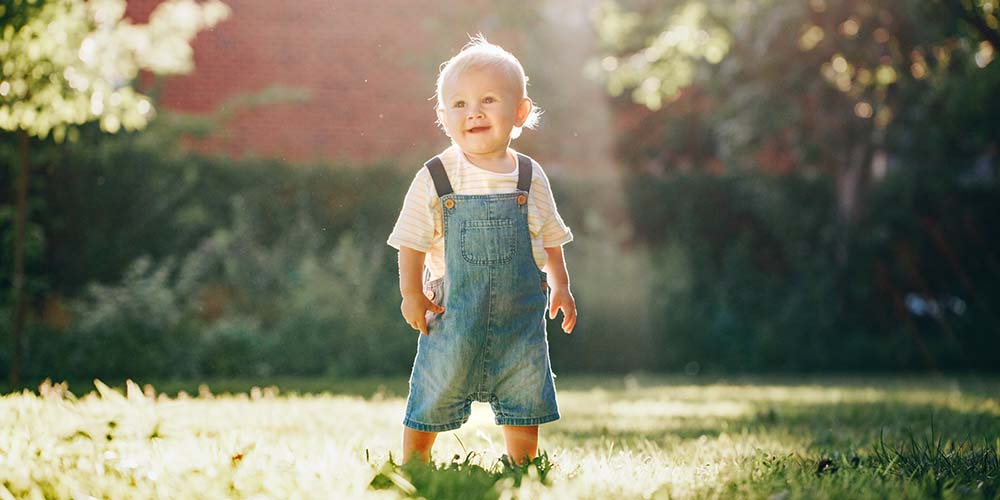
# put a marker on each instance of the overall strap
(443, 186)
(440, 177)
(523, 172)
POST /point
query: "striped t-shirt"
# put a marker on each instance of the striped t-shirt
(420, 224)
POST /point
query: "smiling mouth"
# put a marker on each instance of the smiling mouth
(476, 130)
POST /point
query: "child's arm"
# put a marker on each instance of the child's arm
(415, 305)
(561, 297)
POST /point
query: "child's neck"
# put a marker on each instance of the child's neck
(501, 162)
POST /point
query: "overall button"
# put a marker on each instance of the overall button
(522, 199)
(449, 203)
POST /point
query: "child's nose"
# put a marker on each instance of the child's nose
(474, 112)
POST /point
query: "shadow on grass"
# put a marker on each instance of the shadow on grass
(930, 450)
(822, 425)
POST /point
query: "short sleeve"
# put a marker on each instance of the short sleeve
(550, 225)
(415, 226)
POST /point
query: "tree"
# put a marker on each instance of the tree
(832, 87)
(69, 62)
(845, 92)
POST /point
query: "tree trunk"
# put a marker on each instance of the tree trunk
(20, 222)
(853, 181)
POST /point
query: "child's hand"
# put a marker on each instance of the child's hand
(562, 299)
(414, 309)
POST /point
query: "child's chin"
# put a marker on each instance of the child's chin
(477, 146)
(482, 141)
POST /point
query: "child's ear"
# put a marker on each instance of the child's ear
(440, 121)
(523, 111)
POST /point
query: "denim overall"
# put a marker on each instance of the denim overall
(490, 344)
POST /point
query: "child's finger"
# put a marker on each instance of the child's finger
(552, 309)
(422, 325)
(569, 320)
(436, 308)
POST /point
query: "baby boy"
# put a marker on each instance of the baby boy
(483, 220)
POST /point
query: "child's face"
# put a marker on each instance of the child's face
(481, 106)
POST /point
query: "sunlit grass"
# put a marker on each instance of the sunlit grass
(620, 437)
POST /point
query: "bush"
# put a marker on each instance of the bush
(336, 317)
(234, 348)
(181, 265)
(754, 273)
(138, 326)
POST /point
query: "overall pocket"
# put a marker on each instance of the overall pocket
(488, 241)
(434, 291)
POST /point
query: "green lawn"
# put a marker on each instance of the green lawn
(620, 437)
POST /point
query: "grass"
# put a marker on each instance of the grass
(772, 438)
(461, 478)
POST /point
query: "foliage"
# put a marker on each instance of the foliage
(138, 194)
(246, 267)
(236, 306)
(253, 267)
(846, 89)
(344, 315)
(67, 62)
(17, 13)
(812, 79)
(137, 326)
(811, 179)
(655, 66)
(233, 347)
(745, 279)
(273, 268)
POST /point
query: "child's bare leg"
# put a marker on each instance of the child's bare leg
(417, 442)
(522, 442)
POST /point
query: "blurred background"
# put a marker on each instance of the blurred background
(200, 189)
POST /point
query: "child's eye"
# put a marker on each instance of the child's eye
(459, 104)
(488, 100)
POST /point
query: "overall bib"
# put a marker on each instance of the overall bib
(490, 344)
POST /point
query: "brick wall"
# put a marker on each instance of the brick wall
(370, 68)
(357, 59)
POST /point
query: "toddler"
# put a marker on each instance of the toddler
(485, 216)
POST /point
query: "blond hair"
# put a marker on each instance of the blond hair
(477, 54)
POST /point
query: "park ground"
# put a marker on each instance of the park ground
(634, 436)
